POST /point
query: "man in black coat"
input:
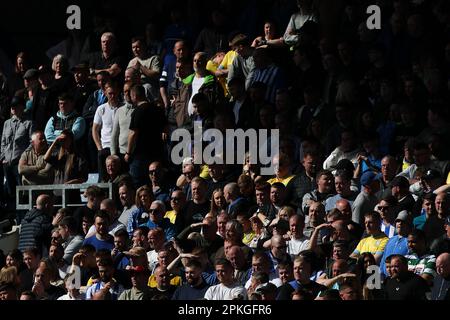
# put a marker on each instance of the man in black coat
(404, 284)
(37, 225)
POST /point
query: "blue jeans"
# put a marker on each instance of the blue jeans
(139, 172)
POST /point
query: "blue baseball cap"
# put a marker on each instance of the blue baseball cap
(368, 177)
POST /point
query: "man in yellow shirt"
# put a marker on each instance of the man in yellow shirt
(376, 240)
(282, 165)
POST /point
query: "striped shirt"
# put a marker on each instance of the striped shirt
(425, 264)
(272, 77)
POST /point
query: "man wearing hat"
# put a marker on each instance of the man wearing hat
(367, 199)
(243, 64)
(139, 291)
(15, 140)
(398, 244)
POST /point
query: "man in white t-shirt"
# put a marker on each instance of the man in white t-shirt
(298, 241)
(228, 288)
(103, 126)
(199, 65)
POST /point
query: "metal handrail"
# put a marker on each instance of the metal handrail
(53, 187)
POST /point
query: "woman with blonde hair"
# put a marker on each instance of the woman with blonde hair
(144, 199)
(63, 79)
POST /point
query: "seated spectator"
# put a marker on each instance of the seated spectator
(140, 216)
(158, 179)
(324, 190)
(139, 290)
(441, 283)
(101, 239)
(177, 202)
(348, 149)
(127, 197)
(72, 241)
(195, 286)
(94, 196)
(32, 167)
(376, 240)
(342, 184)
(404, 284)
(228, 288)
(157, 211)
(442, 244)
(107, 288)
(386, 209)
(297, 241)
(315, 217)
(163, 290)
(73, 293)
(302, 275)
(114, 173)
(70, 167)
(42, 287)
(420, 261)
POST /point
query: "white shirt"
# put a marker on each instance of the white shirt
(295, 246)
(104, 117)
(82, 296)
(221, 292)
(152, 257)
(196, 84)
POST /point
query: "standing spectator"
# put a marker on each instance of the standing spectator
(149, 67)
(15, 81)
(94, 196)
(84, 86)
(121, 126)
(107, 59)
(441, 283)
(32, 167)
(104, 120)
(140, 216)
(243, 64)
(213, 39)
(147, 124)
(158, 179)
(37, 226)
(64, 81)
(306, 13)
(15, 139)
(65, 119)
(442, 244)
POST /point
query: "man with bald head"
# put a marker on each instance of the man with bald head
(298, 241)
(242, 269)
(278, 250)
(441, 283)
(389, 168)
(356, 230)
(37, 225)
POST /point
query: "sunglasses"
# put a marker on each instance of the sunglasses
(153, 211)
(382, 208)
(175, 199)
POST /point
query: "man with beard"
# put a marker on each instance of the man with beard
(404, 284)
(107, 288)
(195, 286)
